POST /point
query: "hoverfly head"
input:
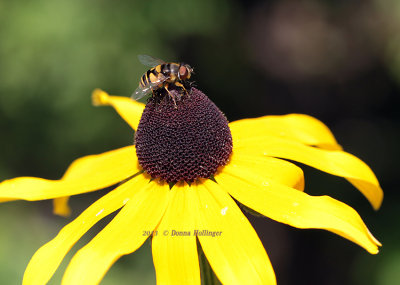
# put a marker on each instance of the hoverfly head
(185, 71)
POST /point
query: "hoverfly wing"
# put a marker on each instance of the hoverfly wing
(140, 92)
(149, 60)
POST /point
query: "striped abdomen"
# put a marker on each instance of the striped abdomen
(160, 74)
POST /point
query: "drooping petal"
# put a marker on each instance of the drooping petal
(298, 127)
(273, 168)
(338, 163)
(123, 235)
(87, 166)
(46, 260)
(296, 208)
(174, 246)
(85, 174)
(235, 252)
(61, 207)
(128, 109)
(6, 199)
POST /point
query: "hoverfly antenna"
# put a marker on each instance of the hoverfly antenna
(188, 67)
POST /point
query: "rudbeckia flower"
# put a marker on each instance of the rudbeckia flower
(185, 179)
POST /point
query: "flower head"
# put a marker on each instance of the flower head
(183, 142)
(210, 163)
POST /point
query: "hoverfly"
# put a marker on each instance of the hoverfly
(161, 75)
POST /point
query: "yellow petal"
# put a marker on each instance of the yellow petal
(174, 247)
(85, 174)
(298, 127)
(338, 163)
(46, 260)
(128, 109)
(235, 252)
(273, 168)
(123, 235)
(295, 208)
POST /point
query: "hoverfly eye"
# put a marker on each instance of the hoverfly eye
(183, 72)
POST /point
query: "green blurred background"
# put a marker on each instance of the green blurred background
(336, 60)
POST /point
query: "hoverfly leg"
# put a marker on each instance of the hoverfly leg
(183, 87)
(171, 95)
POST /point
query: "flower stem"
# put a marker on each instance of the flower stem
(207, 274)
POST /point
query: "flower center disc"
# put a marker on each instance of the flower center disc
(183, 142)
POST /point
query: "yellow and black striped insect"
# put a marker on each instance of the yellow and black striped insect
(161, 75)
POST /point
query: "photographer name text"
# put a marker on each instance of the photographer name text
(176, 233)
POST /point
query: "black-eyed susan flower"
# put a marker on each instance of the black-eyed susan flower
(179, 183)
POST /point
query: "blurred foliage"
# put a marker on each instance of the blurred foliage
(336, 60)
(54, 53)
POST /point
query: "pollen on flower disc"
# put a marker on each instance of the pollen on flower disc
(183, 142)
